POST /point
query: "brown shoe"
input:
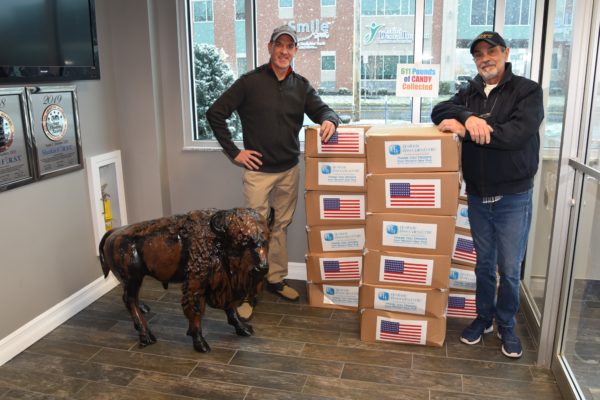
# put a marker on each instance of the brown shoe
(282, 289)
(245, 311)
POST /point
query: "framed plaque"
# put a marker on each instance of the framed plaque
(16, 162)
(107, 193)
(54, 124)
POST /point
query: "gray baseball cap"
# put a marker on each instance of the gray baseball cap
(284, 30)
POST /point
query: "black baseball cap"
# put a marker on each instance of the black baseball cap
(284, 30)
(493, 38)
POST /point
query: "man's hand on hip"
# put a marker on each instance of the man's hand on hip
(249, 159)
(327, 130)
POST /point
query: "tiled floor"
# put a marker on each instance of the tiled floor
(298, 352)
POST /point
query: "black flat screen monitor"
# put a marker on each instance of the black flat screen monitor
(48, 40)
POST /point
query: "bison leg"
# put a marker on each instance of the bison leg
(131, 300)
(193, 307)
(145, 308)
(241, 328)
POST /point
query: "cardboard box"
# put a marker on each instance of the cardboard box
(339, 296)
(348, 141)
(463, 249)
(419, 234)
(434, 193)
(403, 299)
(411, 148)
(461, 305)
(394, 268)
(462, 218)
(462, 277)
(324, 239)
(334, 267)
(335, 174)
(333, 208)
(385, 326)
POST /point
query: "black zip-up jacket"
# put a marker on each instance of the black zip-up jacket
(271, 112)
(509, 162)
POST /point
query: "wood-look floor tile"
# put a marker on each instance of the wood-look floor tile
(191, 387)
(320, 324)
(249, 376)
(92, 337)
(445, 395)
(511, 389)
(257, 393)
(488, 353)
(542, 374)
(287, 364)
(186, 351)
(472, 367)
(353, 340)
(346, 354)
(73, 368)
(18, 394)
(98, 391)
(71, 350)
(255, 344)
(346, 315)
(103, 315)
(39, 382)
(302, 310)
(89, 322)
(350, 389)
(150, 362)
(296, 334)
(402, 377)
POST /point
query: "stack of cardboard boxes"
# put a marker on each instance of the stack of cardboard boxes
(335, 215)
(412, 198)
(461, 301)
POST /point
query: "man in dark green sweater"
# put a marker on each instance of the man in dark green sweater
(271, 102)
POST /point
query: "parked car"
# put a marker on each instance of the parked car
(461, 81)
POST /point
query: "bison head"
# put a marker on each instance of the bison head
(244, 230)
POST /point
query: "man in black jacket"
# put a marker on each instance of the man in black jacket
(497, 116)
(271, 102)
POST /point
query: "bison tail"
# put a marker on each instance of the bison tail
(105, 267)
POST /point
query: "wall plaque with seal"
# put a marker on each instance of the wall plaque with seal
(16, 162)
(55, 130)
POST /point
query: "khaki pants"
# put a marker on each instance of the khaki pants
(280, 191)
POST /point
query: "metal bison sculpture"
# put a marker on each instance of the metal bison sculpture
(220, 256)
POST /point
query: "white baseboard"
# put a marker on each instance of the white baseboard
(296, 271)
(44, 323)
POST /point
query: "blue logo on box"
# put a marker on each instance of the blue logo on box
(330, 291)
(394, 149)
(454, 275)
(464, 212)
(391, 229)
(384, 296)
(328, 237)
(326, 169)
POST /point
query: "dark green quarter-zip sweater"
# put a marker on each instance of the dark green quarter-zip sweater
(271, 112)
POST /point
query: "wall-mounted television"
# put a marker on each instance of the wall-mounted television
(48, 41)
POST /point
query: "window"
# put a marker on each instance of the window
(203, 11)
(286, 3)
(568, 14)
(327, 3)
(482, 12)
(517, 12)
(240, 10)
(328, 63)
(388, 7)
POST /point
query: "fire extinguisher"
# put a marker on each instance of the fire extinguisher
(107, 211)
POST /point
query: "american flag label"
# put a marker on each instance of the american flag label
(343, 268)
(343, 141)
(401, 331)
(341, 174)
(413, 154)
(462, 279)
(408, 234)
(412, 193)
(340, 295)
(404, 270)
(462, 306)
(462, 216)
(400, 301)
(464, 249)
(342, 207)
(343, 239)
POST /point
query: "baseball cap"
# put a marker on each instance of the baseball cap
(490, 37)
(284, 30)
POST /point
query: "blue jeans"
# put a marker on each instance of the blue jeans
(500, 233)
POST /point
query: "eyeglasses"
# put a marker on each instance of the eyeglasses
(281, 46)
(490, 51)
